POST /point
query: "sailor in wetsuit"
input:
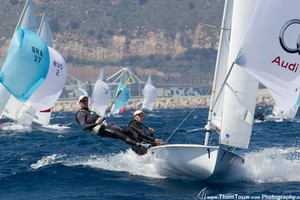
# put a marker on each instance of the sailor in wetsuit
(90, 121)
(141, 136)
(260, 115)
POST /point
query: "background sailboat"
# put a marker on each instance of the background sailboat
(101, 95)
(20, 54)
(123, 97)
(233, 89)
(281, 115)
(10, 108)
(46, 96)
(150, 95)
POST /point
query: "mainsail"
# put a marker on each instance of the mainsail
(270, 50)
(27, 19)
(121, 99)
(217, 97)
(45, 31)
(101, 95)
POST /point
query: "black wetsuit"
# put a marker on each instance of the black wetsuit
(140, 135)
(259, 116)
(87, 120)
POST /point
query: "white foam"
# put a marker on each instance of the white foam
(57, 128)
(48, 160)
(14, 127)
(124, 161)
(270, 165)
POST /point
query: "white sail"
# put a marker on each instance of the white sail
(217, 97)
(45, 31)
(4, 100)
(270, 51)
(12, 108)
(241, 88)
(281, 114)
(149, 94)
(43, 117)
(101, 95)
(27, 19)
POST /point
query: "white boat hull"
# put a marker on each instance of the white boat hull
(279, 119)
(197, 161)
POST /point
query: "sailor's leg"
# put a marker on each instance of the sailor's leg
(126, 131)
(112, 133)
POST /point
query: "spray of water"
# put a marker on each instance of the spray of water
(269, 165)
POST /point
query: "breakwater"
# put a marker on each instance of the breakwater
(70, 105)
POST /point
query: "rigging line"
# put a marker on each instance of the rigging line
(165, 131)
(181, 123)
(184, 119)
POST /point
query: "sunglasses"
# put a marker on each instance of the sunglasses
(84, 100)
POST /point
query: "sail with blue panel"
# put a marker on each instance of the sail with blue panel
(121, 98)
(26, 64)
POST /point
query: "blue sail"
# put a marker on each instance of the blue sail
(26, 64)
(123, 97)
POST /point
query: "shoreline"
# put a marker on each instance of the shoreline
(175, 102)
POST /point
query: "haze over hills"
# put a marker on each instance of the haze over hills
(176, 38)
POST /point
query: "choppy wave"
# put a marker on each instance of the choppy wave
(57, 128)
(14, 127)
(48, 160)
(123, 161)
(270, 165)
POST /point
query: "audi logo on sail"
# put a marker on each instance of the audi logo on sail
(281, 37)
(291, 66)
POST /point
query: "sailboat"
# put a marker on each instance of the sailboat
(47, 94)
(45, 97)
(27, 61)
(281, 115)
(123, 97)
(150, 95)
(10, 108)
(101, 95)
(231, 109)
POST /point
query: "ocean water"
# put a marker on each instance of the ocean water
(61, 161)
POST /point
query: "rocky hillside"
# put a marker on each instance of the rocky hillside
(123, 32)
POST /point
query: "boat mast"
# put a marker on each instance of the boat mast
(225, 27)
